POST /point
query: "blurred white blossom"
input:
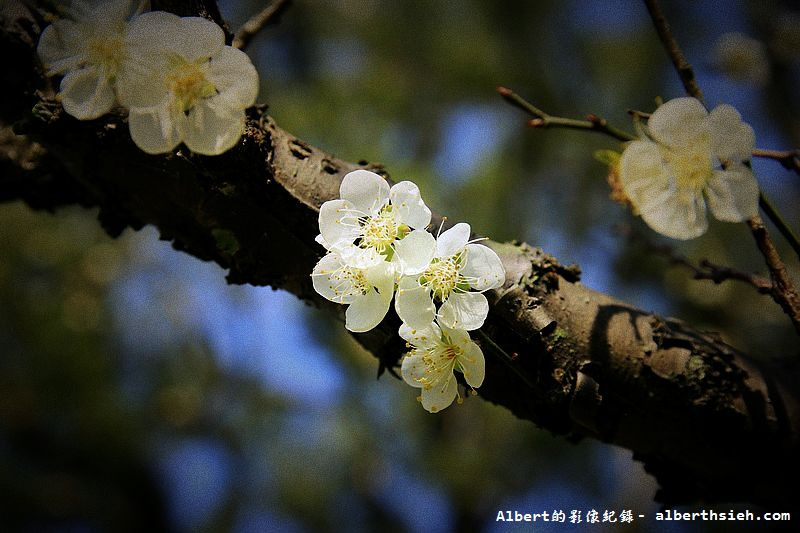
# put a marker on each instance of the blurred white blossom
(89, 47)
(689, 157)
(742, 58)
(182, 84)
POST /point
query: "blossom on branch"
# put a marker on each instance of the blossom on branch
(182, 84)
(375, 237)
(458, 266)
(89, 48)
(366, 291)
(369, 220)
(438, 351)
(689, 157)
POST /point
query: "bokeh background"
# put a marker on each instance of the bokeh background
(138, 390)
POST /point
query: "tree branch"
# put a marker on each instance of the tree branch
(706, 270)
(544, 120)
(258, 21)
(774, 215)
(783, 292)
(789, 159)
(682, 66)
(686, 403)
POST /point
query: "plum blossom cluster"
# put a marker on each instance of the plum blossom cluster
(378, 249)
(175, 75)
(685, 159)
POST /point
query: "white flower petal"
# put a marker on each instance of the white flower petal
(440, 395)
(197, 38)
(62, 46)
(413, 304)
(411, 210)
(642, 172)
(332, 281)
(155, 30)
(86, 95)
(153, 129)
(733, 194)
(213, 130)
(456, 337)
(413, 369)
(367, 311)
(118, 9)
(464, 310)
(338, 223)
(235, 78)
(473, 365)
(731, 139)
(381, 276)
(142, 81)
(679, 215)
(414, 252)
(676, 123)
(367, 191)
(452, 240)
(358, 257)
(483, 268)
(422, 337)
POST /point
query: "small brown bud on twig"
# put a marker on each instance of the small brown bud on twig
(594, 119)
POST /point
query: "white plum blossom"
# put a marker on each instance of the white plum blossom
(89, 47)
(436, 353)
(366, 291)
(689, 157)
(183, 84)
(457, 267)
(371, 223)
(375, 237)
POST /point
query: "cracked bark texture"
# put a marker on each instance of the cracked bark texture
(706, 420)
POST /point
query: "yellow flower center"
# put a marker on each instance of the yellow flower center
(439, 362)
(187, 81)
(360, 283)
(380, 231)
(691, 166)
(442, 276)
(108, 53)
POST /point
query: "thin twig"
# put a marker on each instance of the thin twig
(789, 159)
(784, 292)
(706, 270)
(683, 67)
(544, 120)
(257, 22)
(780, 223)
(638, 115)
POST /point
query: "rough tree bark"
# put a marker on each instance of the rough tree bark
(707, 421)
